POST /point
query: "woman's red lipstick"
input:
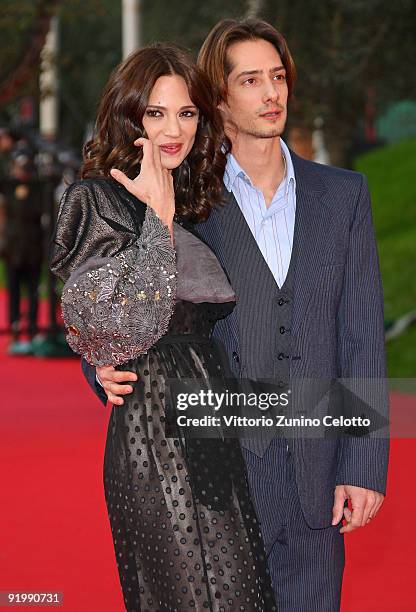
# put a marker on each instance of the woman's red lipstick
(171, 148)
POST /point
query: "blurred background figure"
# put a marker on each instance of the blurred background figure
(8, 139)
(22, 245)
(34, 172)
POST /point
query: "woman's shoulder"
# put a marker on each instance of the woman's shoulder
(91, 186)
(104, 192)
(110, 201)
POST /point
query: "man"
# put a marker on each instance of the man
(297, 242)
(22, 245)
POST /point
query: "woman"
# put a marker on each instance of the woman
(144, 293)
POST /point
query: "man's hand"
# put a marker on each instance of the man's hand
(364, 506)
(111, 380)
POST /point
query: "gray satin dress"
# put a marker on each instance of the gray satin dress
(185, 531)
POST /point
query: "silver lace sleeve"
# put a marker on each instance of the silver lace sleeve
(116, 308)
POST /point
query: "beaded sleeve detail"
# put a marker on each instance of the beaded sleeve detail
(116, 308)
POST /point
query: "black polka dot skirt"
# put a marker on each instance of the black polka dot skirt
(184, 528)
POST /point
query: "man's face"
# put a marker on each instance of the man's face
(6, 142)
(257, 90)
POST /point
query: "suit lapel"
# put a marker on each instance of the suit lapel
(215, 233)
(311, 224)
(228, 234)
(241, 250)
(250, 277)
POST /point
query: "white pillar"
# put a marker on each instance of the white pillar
(130, 26)
(253, 8)
(48, 83)
(321, 154)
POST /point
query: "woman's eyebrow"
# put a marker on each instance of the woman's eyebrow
(165, 108)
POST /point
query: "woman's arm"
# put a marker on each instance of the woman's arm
(116, 307)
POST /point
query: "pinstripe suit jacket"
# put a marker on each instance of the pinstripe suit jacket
(337, 325)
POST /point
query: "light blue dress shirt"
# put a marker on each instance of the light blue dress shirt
(272, 227)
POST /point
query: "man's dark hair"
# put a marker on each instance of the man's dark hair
(214, 57)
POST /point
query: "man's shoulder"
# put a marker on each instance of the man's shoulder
(333, 177)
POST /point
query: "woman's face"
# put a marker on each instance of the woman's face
(171, 120)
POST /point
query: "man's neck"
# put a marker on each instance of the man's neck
(262, 161)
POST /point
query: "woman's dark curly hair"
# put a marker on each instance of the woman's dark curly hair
(198, 180)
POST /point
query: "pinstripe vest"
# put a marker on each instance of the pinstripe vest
(256, 336)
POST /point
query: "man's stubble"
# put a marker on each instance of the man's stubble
(234, 128)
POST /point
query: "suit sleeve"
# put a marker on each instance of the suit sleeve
(363, 461)
(89, 372)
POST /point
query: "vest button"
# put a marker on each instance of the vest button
(282, 329)
(281, 356)
(281, 302)
(236, 357)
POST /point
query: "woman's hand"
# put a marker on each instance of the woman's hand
(154, 184)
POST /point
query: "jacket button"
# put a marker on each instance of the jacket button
(281, 356)
(282, 329)
(236, 357)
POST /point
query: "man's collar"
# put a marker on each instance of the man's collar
(290, 170)
(233, 169)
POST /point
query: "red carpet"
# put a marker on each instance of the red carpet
(55, 534)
